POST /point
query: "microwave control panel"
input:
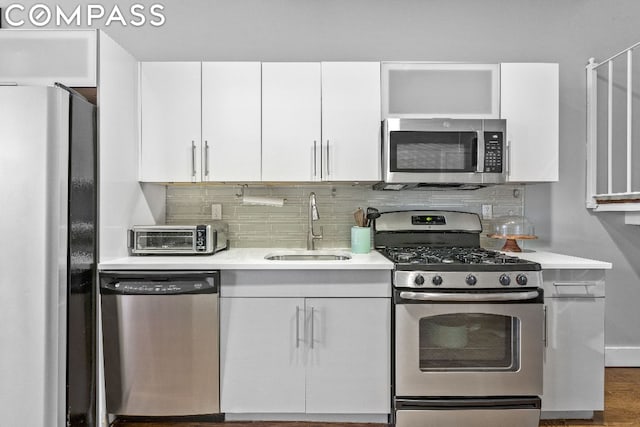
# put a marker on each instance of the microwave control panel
(493, 152)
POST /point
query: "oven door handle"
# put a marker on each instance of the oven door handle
(469, 297)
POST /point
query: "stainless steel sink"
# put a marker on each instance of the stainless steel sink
(308, 256)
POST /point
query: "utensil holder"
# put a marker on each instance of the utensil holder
(360, 240)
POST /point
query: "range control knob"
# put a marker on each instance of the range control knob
(521, 279)
(504, 280)
(437, 280)
(471, 280)
(419, 280)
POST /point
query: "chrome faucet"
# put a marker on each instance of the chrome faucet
(313, 216)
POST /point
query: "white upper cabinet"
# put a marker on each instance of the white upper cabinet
(530, 104)
(290, 121)
(432, 90)
(350, 121)
(231, 117)
(321, 122)
(44, 57)
(200, 121)
(170, 115)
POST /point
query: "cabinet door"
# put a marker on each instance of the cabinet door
(348, 366)
(261, 365)
(44, 57)
(231, 112)
(574, 356)
(451, 90)
(529, 101)
(170, 116)
(350, 121)
(290, 121)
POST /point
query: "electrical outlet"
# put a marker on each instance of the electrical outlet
(487, 211)
(216, 211)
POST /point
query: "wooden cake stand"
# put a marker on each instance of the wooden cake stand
(511, 245)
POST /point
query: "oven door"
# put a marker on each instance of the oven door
(470, 344)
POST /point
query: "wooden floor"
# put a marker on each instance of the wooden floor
(622, 408)
(621, 401)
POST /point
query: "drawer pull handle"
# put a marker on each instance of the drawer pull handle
(585, 283)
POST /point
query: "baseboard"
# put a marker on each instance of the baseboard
(344, 418)
(622, 357)
(566, 415)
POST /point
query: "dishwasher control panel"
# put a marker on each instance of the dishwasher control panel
(159, 284)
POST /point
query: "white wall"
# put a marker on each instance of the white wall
(123, 201)
(567, 32)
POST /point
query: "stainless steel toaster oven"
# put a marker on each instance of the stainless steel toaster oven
(177, 239)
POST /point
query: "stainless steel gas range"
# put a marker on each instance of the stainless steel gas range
(468, 324)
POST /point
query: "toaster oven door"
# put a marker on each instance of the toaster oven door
(167, 241)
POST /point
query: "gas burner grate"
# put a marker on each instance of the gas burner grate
(423, 255)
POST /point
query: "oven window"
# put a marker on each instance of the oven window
(469, 342)
(433, 151)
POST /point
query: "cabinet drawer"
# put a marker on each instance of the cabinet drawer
(306, 283)
(573, 283)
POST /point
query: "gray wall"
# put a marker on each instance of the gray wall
(567, 32)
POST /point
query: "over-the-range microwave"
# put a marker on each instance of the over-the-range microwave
(443, 153)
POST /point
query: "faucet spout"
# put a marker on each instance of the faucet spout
(314, 215)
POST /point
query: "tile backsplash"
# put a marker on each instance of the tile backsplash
(286, 226)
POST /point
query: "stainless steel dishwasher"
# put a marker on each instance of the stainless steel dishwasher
(161, 342)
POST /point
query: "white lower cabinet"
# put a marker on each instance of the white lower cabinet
(262, 368)
(348, 364)
(574, 344)
(305, 355)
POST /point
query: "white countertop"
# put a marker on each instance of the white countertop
(554, 261)
(248, 259)
(253, 259)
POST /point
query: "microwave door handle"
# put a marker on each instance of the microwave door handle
(480, 151)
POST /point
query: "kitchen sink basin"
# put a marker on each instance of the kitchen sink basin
(308, 256)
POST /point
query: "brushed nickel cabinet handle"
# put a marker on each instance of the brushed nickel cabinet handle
(206, 159)
(315, 159)
(508, 157)
(312, 326)
(193, 161)
(328, 168)
(297, 326)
